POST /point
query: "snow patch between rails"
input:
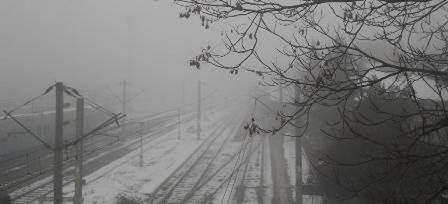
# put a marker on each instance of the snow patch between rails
(124, 179)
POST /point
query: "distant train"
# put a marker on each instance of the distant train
(14, 138)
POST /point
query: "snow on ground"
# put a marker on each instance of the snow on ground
(124, 177)
(226, 193)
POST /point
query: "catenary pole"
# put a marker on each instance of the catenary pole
(178, 117)
(298, 150)
(79, 150)
(124, 99)
(141, 126)
(199, 111)
(58, 144)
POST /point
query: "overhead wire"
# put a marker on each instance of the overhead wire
(31, 100)
(28, 130)
(74, 93)
(243, 148)
(70, 92)
(238, 169)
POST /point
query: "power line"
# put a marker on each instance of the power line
(238, 169)
(243, 147)
(28, 131)
(59, 145)
(29, 101)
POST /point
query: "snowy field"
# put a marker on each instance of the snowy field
(255, 176)
(125, 178)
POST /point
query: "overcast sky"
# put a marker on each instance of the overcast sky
(87, 44)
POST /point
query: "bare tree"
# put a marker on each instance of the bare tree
(373, 76)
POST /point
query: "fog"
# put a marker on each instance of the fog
(94, 45)
(346, 101)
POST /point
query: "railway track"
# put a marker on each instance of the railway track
(32, 194)
(100, 150)
(225, 176)
(249, 187)
(180, 183)
(15, 173)
(183, 182)
(204, 174)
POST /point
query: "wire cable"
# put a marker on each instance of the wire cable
(29, 101)
(238, 170)
(243, 146)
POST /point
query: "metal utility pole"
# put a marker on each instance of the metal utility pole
(298, 149)
(58, 145)
(79, 150)
(280, 104)
(141, 143)
(124, 98)
(130, 39)
(183, 97)
(130, 65)
(178, 115)
(199, 111)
